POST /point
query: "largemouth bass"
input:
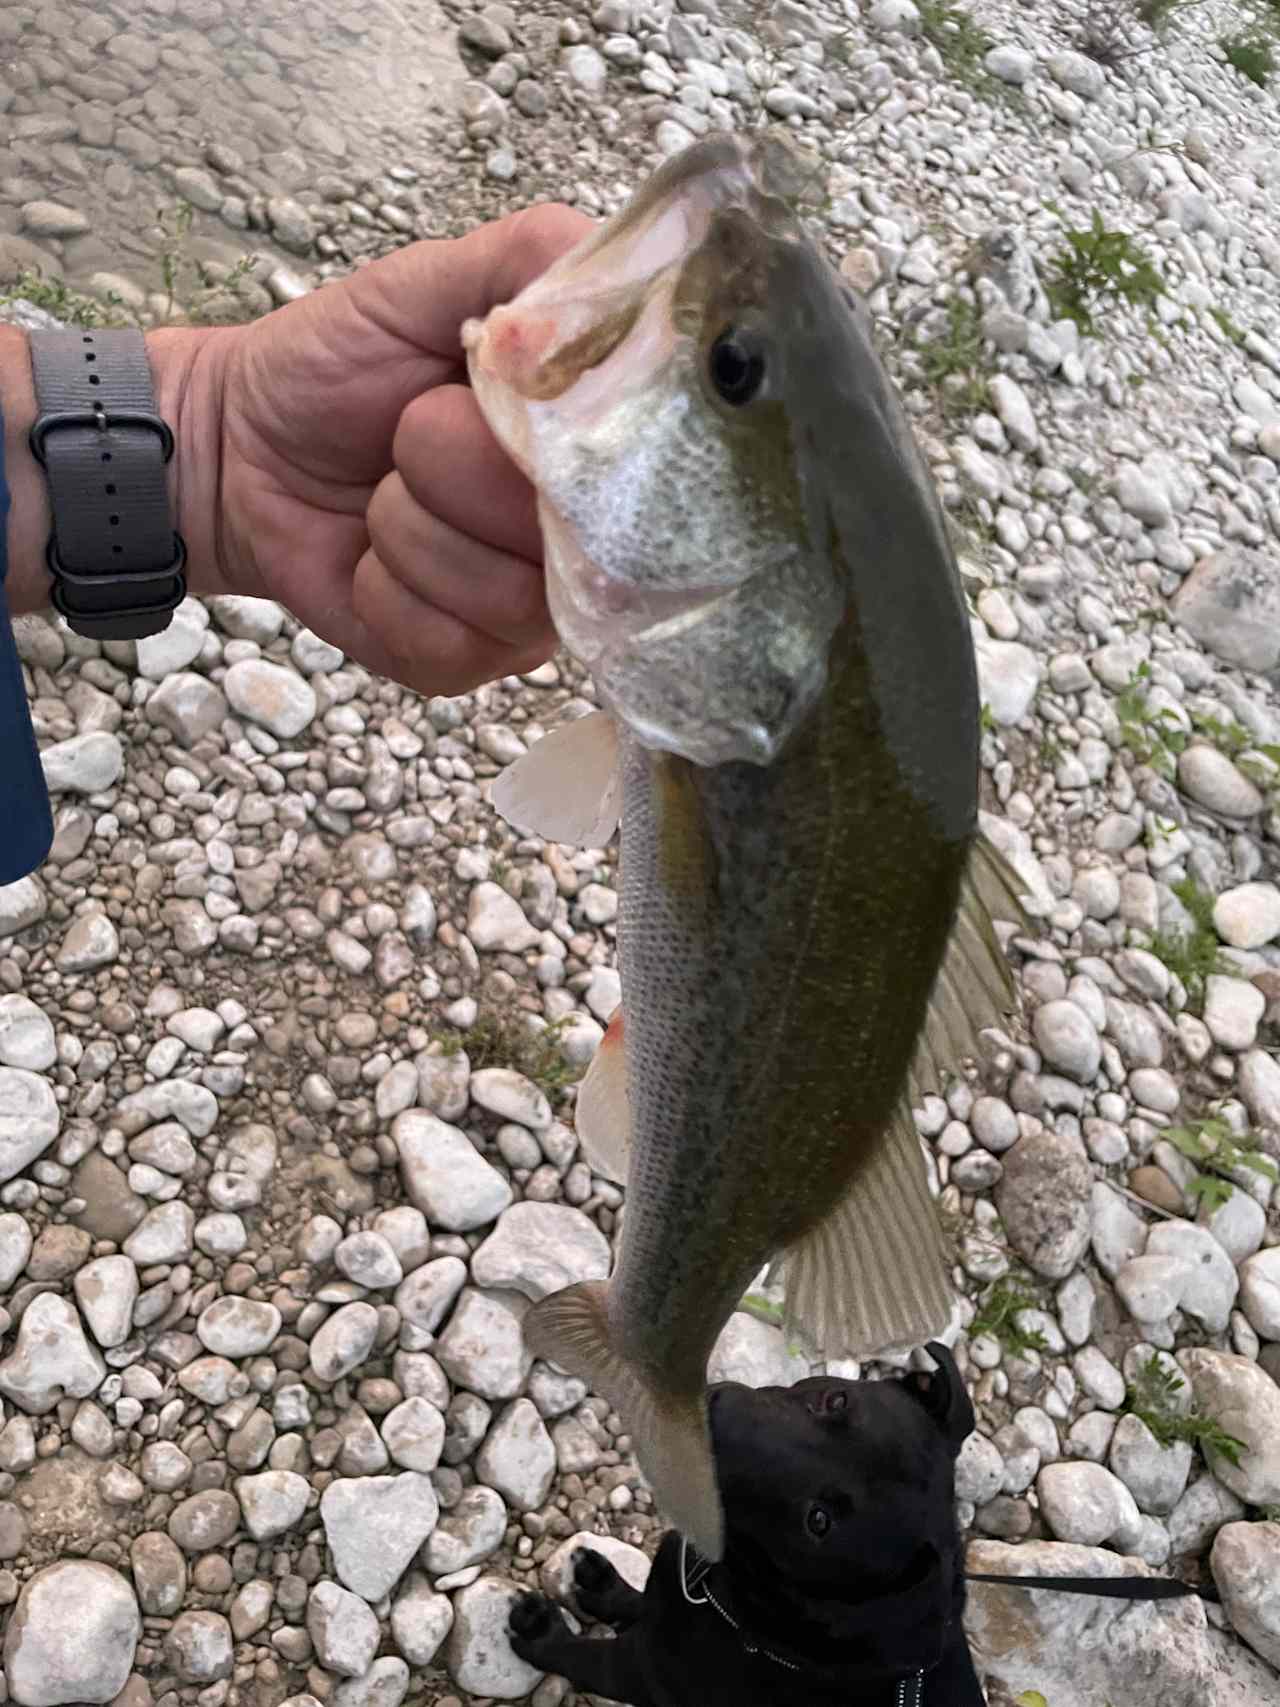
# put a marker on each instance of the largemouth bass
(746, 551)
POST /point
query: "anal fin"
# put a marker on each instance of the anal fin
(568, 787)
(671, 1433)
(873, 1273)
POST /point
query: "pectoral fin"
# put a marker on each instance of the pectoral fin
(568, 787)
(602, 1113)
(670, 1430)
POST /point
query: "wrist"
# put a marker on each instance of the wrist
(186, 364)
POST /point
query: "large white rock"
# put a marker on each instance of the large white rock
(374, 1525)
(29, 1119)
(445, 1175)
(26, 1035)
(72, 1636)
(478, 1651)
(540, 1248)
(52, 1358)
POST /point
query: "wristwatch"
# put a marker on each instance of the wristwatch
(117, 562)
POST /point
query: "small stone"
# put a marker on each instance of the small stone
(84, 764)
(1245, 1402)
(21, 904)
(1246, 1568)
(540, 1248)
(1084, 1503)
(106, 1290)
(199, 1647)
(277, 698)
(165, 1234)
(496, 921)
(272, 1502)
(1155, 1475)
(504, 1092)
(1230, 603)
(368, 1259)
(1068, 1039)
(478, 1650)
(1008, 677)
(755, 1353)
(470, 1531)
(204, 1521)
(52, 219)
(344, 1342)
(1260, 1291)
(420, 1620)
(188, 706)
(1210, 779)
(482, 1348)
(414, 1434)
(1248, 916)
(91, 942)
(1233, 1010)
(517, 1458)
(159, 1573)
(1044, 1201)
(343, 1628)
(238, 1327)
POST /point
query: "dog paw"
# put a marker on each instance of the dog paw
(532, 1621)
(592, 1571)
(601, 1593)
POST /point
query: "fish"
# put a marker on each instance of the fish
(746, 553)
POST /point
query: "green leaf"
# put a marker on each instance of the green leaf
(1031, 1698)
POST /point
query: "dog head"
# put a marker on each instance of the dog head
(839, 1501)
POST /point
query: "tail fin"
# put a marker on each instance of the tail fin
(672, 1436)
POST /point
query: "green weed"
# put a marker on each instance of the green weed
(502, 1038)
(1227, 326)
(1154, 738)
(1192, 956)
(961, 44)
(997, 1313)
(1251, 53)
(1151, 1398)
(955, 363)
(59, 299)
(1217, 1153)
(1098, 268)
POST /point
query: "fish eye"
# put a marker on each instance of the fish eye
(817, 1521)
(736, 366)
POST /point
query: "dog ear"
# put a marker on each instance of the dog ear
(943, 1394)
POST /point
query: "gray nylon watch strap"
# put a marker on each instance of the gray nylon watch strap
(116, 561)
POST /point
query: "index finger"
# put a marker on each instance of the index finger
(468, 275)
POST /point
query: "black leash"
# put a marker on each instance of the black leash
(1116, 1588)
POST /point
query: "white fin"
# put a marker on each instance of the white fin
(602, 1112)
(974, 988)
(671, 1434)
(874, 1272)
(568, 787)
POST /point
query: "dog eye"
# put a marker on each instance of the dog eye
(837, 1401)
(818, 1521)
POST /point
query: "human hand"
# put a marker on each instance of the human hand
(333, 458)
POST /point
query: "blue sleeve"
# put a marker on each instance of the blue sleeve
(26, 822)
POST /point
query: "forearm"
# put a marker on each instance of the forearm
(187, 365)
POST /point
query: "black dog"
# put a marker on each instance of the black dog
(842, 1581)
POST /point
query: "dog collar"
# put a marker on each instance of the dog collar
(695, 1572)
